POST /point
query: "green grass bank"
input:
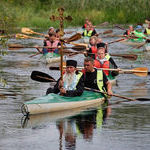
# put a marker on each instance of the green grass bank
(36, 13)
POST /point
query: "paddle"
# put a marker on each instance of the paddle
(43, 77)
(75, 37)
(105, 32)
(29, 31)
(23, 36)
(142, 72)
(123, 97)
(19, 46)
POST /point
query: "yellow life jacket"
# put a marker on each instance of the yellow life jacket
(107, 56)
(88, 34)
(100, 80)
(148, 31)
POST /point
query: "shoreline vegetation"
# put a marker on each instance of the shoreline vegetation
(36, 13)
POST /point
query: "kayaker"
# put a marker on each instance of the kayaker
(147, 30)
(94, 44)
(100, 43)
(92, 47)
(103, 60)
(129, 31)
(88, 32)
(86, 23)
(72, 84)
(138, 33)
(51, 42)
(95, 79)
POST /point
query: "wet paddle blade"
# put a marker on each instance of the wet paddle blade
(41, 77)
(79, 48)
(143, 73)
(75, 37)
(142, 99)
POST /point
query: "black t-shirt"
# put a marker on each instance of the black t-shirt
(90, 80)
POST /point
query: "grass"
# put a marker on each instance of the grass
(36, 13)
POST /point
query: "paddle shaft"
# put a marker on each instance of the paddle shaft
(123, 97)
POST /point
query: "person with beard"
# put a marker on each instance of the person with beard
(72, 84)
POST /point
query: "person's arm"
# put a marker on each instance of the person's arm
(94, 32)
(109, 88)
(55, 89)
(78, 91)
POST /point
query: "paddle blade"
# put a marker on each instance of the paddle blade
(75, 37)
(79, 47)
(107, 31)
(26, 31)
(142, 99)
(41, 77)
(141, 71)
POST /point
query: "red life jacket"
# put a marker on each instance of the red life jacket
(94, 49)
(85, 25)
(50, 44)
(106, 64)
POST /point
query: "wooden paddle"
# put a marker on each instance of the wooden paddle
(23, 36)
(75, 37)
(29, 31)
(142, 72)
(43, 77)
(19, 46)
(123, 97)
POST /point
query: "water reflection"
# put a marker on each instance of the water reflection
(71, 124)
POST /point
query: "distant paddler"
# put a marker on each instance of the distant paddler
(94, 43)
(103, 60)
(72, 84)
(147, 30)
(129, 31)
(138, 33)
(52, 42)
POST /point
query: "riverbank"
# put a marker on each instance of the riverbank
(35, 14)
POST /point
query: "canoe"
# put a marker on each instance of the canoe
(54, 102)
(133, 42)
(35, 120)
(51, 58)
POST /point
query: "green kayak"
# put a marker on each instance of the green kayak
(133, 42)
(54, 102)
(51, 58)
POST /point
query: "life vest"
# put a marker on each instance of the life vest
(106, 64)
(147, 30)
(100, 83)
(88, 34)
(75, 82)
(50, 44)
(85, 25)
(94, 49)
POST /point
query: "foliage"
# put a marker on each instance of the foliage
(36, 13)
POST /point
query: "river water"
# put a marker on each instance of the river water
(119, 126)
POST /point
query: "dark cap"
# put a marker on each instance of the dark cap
(71, 63)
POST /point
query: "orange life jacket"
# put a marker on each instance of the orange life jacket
(94, 49)
(106, 64)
